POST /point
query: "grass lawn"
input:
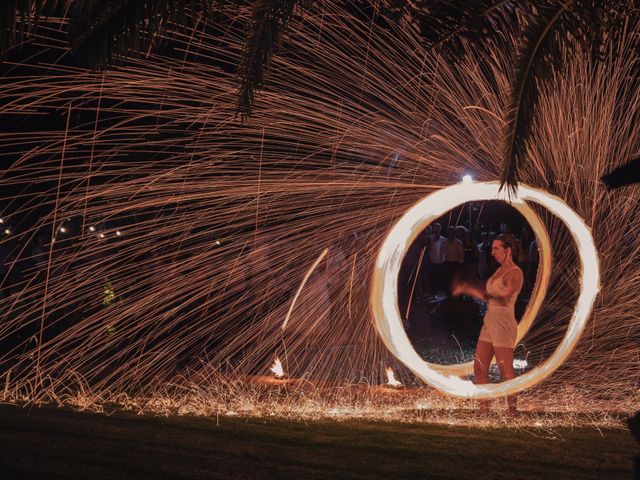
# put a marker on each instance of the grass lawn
(52, 443)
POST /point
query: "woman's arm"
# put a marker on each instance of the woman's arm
(464, 288)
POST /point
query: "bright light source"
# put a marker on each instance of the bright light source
(277, 369)
(518, 363)
(1, 221)
(7, 231)
(101, 235)
(218, 242)
(391, 378)
(118, 232)
(63, 230)
(92, 229)
(467, 179)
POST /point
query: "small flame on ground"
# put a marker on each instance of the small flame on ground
(392, 379)
(518, 363)
(276, 368)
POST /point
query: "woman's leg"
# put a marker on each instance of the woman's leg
(481, 362)
(504, 357)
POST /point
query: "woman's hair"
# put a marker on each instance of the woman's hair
(508, 240)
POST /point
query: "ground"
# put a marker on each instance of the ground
(53, 443)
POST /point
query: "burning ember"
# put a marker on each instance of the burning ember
(276, 368)
(391, 379)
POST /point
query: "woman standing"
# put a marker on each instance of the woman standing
(498, 334)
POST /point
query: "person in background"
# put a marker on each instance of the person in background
(453, 253)
(505, 229)
(523, 261)
(413, 277)
(533, 258)
(436, 258)
(484, 250)
(470, 252)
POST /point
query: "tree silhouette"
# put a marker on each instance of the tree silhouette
(101, 31)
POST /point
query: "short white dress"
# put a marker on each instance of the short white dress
(500, 327)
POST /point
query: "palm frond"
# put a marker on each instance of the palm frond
(450, 23)
(18, 18)
(269, 21)
(624, 175)
(590, 25)
(539, 58)
(100, 31)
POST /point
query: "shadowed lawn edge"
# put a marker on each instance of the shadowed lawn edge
(48, 442)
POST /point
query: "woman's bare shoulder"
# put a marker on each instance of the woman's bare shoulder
(515, 272)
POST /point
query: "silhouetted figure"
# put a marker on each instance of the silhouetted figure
(453, 254)
(484, 252)
(436, 259)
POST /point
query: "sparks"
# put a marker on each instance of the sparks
(347, 137)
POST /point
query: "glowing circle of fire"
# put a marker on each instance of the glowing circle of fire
(384, 292)
(538, 292)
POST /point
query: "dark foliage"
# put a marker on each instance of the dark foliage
(100, 31)
(19, 17)
(269, 20)
(622, 176)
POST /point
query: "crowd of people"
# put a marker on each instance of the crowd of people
(438, 257)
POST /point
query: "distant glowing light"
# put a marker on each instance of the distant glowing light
(63, 230)
(391, 378)
(92, 229)
(277, 369)
(1, 221)
(467, 179)
(218, 242)
(118, 233)
(384, 292)
(7, 231)
(101, 235)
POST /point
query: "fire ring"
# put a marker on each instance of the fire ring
(384, 292)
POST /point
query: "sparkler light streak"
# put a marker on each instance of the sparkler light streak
(384, 298)
(302, 284)
(221, 220)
